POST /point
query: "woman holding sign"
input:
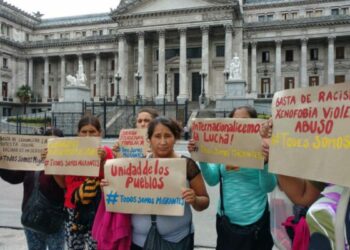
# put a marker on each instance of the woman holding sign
(83, 194)
(47, 186)
(243, 213)
(143, 118)
(163, 133)
(120, 237)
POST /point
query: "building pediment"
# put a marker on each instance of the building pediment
(141, 7)
(341, 65)
(173, 60)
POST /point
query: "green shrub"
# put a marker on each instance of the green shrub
(264, 116)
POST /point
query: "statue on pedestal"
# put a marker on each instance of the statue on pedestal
(79, 79)
(235, 68)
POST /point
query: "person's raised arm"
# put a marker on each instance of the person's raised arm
(299, 191)
(197, 194)
(210, 171)
(267, 180)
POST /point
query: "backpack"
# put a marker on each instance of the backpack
(280, 208)
(328, 220)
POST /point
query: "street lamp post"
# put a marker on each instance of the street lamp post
(138, 77)
(226, 74)
(203, 75)
(118, 78)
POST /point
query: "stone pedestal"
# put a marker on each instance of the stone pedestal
(235, 96)
(227, 104)
(235, 88)
(73, 97)
(76, 94)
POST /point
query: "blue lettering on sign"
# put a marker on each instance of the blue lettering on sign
(112, 198)
(145, 200)
(132, 152)
(170, 201)
(128, 199)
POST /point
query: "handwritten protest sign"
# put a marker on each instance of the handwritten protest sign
(311, 133)
(22, 152)
(228, 141)
(73, 156)
(145, 186)
(133, 143)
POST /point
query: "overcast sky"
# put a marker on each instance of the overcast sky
(59, 8)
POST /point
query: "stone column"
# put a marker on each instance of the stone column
(25, 69)
(253, 76)
(303, 66)
(46, 79)
(205, 57)
(183, 96)
(245, 61)
(228, 45)
(278, 68)
(330, 60)
(148, 75)
(97, 76)
(80, 60)
(116, 66)
(63, 76)
(1, 58)
(161, 67)
(13, 88)
(30, 73)
(122, 66)
(141, 62)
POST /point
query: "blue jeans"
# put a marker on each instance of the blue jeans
(42, 241)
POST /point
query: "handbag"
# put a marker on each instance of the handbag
(154, 240)
(40, 214)
(226, 226)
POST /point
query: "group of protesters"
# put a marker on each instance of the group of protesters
(243, 215)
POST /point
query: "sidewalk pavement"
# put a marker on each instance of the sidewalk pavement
(14, 239)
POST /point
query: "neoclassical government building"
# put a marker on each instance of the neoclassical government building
(175, 50)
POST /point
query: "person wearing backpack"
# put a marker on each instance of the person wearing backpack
(302, 193)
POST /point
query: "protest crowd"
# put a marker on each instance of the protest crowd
(141, 193)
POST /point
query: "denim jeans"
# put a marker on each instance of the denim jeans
(42, 241)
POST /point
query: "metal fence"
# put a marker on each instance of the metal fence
(113, 118)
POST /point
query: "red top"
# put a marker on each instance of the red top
(73, 182)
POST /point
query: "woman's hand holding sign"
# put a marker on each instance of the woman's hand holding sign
(191, 146)
(189, 196)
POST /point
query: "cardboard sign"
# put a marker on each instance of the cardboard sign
(311, 133)
(145, 186)
(73, 156)
(133, 143)
(22, 152)
(229, 141)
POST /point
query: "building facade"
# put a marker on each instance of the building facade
(160, 50)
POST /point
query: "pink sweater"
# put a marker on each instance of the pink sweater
(112, 231)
